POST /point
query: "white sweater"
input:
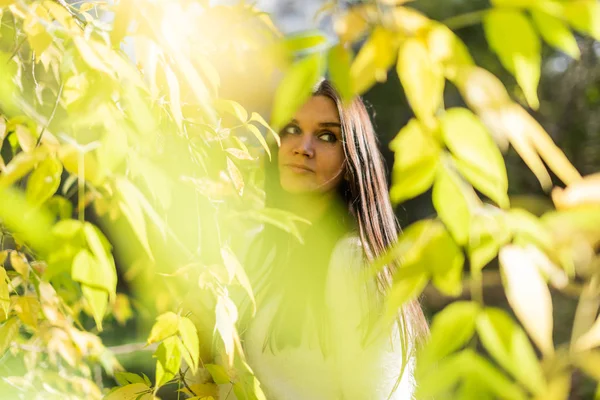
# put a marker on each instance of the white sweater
(350, 371)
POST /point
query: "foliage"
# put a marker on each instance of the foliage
(154, 163)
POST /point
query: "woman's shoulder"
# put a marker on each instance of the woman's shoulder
(348, 248)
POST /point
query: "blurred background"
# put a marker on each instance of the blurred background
(569, 110)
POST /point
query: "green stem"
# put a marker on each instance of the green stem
(587, 309)
(463, 20)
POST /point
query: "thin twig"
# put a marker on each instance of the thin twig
(463, 20)
(131, 348)
(47, 124)
(185, 383)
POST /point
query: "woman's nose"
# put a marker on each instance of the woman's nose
(304, 146)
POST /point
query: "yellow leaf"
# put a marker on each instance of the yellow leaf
(100, 247)
(584, 15)
(589, 339)
(86, 7)
(373, 60)
(20, 166)
(513, 38)
(529, 139)
(406, 20)
(129, 204)
(189, 339)
(556, 33)
(510, 347)
(19, 263)
(122, 309)
(236, 177)
(353, 24)
(416, 155)
(232, 108)
(528, 295)
(236, 270)
(27, 140)
(168, 360)
(135, 391)
(481, 89)
(446, 49)
(166, 325)
(295, 88)
(90, 56)
(469, 141)
(339, 62)
(98, 301)
(121, 22)
(258, 118)
(451, 329)
(226, 317)
(70, 157)
(4, 292)
(452, 200)
(421, 78)
(8, 331)
(27, 309)
(585, 192)
(44, 181)
(218, 373)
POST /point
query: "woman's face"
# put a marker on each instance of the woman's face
(311, 156)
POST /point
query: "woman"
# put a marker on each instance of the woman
(316, 302)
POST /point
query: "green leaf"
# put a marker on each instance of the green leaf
(556, 33)
(254, 130)
(90, 56)
(232, 108)
(236, 270)
(482, 370)
(481, 159)
(584, 15)
(295, 88)
(125, 378)
(416, 155)
(404, 289)
(8, 332)
(510, 347)
(451, 329)
(528, 295)
(168, 360)
(528, 228)
(218, 373)
(236, 177)
(44, 181)
(488, 233)
(19, 263)
(4, 292)
(131, 208)
(299, 42)
(339, 62)
(37, 36)
(166, 325)
(511, 36)
(101, 249)
(485, 184)
(135, 391)
(226, 317)
(258, 118)
(451, 201)
(67, 228)
(98, 302)
(427, 246)
(189, 339)
(421, 78)
(20, 166)
(373, 60)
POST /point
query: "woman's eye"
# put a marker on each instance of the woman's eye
(328, 137)
(291, 129)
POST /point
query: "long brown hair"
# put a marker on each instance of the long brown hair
(364, 193)
(367, 198)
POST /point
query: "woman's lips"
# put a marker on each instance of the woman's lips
(299, 168)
